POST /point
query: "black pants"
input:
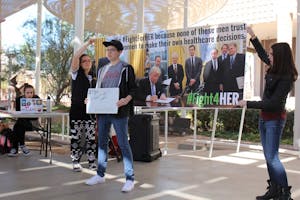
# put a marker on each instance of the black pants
(20, 127)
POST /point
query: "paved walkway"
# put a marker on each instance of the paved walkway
(181, 174)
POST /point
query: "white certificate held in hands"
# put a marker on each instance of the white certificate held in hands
(102, 101)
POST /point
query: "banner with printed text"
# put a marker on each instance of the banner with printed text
(220, 57)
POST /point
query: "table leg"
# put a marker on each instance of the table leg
(166, 133)
(241, 129)
(68, 125)
(195, 129)
(47, 136)
(213, 132)
(48, 139)
(50, 145)
(62, 127)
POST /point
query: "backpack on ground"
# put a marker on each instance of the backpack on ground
(5, 140)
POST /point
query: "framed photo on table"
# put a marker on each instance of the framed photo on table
(102, 101)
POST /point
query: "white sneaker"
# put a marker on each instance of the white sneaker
(77, 167)
(95, 180)
(128, 186)
(13, 153)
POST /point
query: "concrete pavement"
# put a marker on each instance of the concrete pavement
(181, 174)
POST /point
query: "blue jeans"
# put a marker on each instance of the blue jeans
(121, 128)
(270, 134)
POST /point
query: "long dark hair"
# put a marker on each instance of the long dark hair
(283, 62)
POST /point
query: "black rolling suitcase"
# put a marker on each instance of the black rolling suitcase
(144, 137)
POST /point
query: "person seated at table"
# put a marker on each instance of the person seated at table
(22, 125)
(150, 89)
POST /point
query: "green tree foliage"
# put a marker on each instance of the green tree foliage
(56, 54)
(26, 56)
(12, 67)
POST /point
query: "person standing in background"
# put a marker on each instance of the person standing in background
(101, 62)
(193, 69)
(175, 72)
(280, 78)
(233, 71)
(82, 125)
(212, 74)
(163, 75)
(224, 53)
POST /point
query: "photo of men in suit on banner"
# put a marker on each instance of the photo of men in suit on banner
(206, 65)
